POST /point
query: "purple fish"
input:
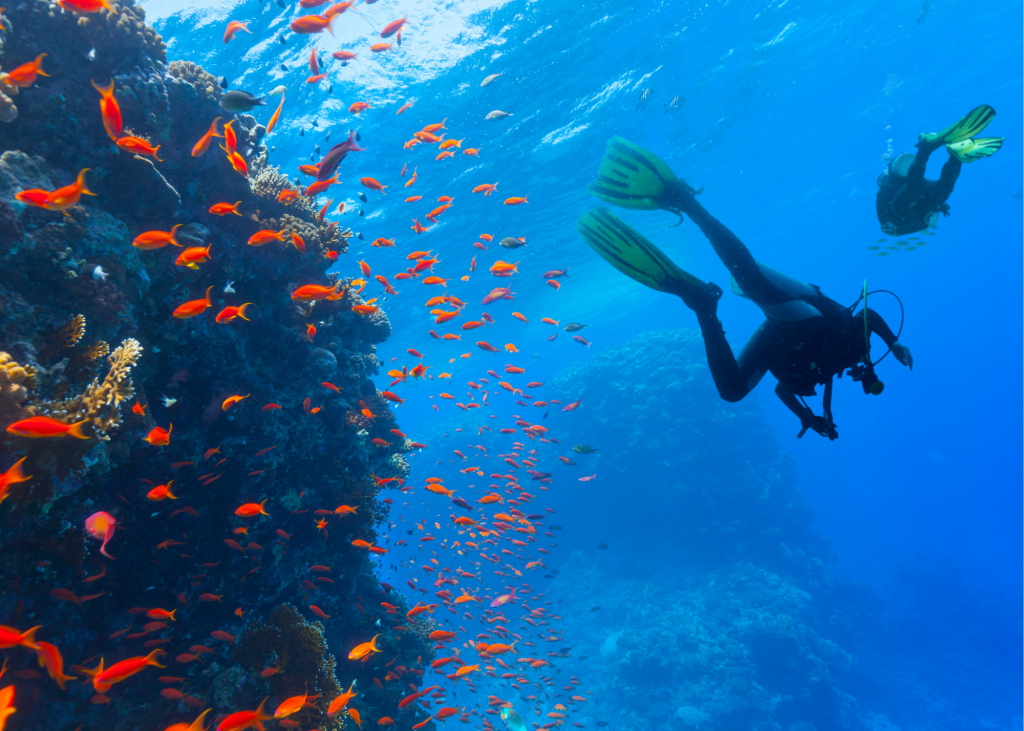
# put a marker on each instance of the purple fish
(461, 503)
(335, 155)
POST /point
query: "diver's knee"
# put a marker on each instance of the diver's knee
(731, 392)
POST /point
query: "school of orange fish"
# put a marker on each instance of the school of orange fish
(496, 527)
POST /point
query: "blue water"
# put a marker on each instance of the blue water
(791, 109)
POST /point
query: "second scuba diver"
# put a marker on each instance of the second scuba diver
(906, 201)
(806, 338)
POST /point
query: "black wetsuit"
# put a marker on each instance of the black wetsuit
(905, 204)
(801, 353)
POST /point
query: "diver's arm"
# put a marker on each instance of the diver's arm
(808, 419)
(880, 328)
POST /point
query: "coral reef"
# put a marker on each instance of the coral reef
(740, 647)
(72, 284)
(205, 84)
(298, 650)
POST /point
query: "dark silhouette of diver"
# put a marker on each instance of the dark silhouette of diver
(908, 202)
(806, 338)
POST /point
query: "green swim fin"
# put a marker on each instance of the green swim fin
(628, 251)
(975, 121)
(971, 150)
(630, 176)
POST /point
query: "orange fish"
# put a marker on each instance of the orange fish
(10, 637)
(291, 705)
(109, 110)
(50, 657)
(342, 700)
(379, 47)
(12, 476)
(472, 151)
(230, 313)
(85, 6)
(287, 196)
(103, 680)
(251, 510)
(275, 116)
(486, 189)
(241, 720)
(298, 242)
(203, 145)
(310, 331)
(223, 209)
(358, 107)
(139, 146)
(233, 27)
(68, 196)
(231, 401)
(364, 650)
(311, 292)
(160, 492)
(514, 201)
(315, 79)
(151, 240)
(159, 437)
(196, 725)
(373, 185)
(43, 426)
(193, 256)
(265, 237)
(194, 307)
(320, 186)
(238, 163)
(25, 75)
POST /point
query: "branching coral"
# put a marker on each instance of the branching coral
(72, 331)
(205, 83)
(102, 400)
(300, 653)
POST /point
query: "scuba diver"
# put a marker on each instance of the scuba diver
(806, 339)
(907, 202)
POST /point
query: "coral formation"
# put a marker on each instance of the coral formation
(60, 272)
(16, 381)
(191, 73)
(123, 31)
(298, 650)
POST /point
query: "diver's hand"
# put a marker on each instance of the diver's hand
(818, 425)
(902, 353)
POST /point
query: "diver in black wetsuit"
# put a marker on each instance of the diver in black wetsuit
(908, 202)
(806, 338)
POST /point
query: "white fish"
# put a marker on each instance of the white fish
(498, 114)
(278, 90)
(100, 275)
(644, 100)
(228, 289)
(490, 79)
(169, 402)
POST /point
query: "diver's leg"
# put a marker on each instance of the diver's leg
(735, 377)
(946, 181)
(730, 250)
(915, 175)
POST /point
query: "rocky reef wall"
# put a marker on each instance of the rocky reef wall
(87, 334)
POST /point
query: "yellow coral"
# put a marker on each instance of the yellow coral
(16, 381)
(70, 332)
(101, 401)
